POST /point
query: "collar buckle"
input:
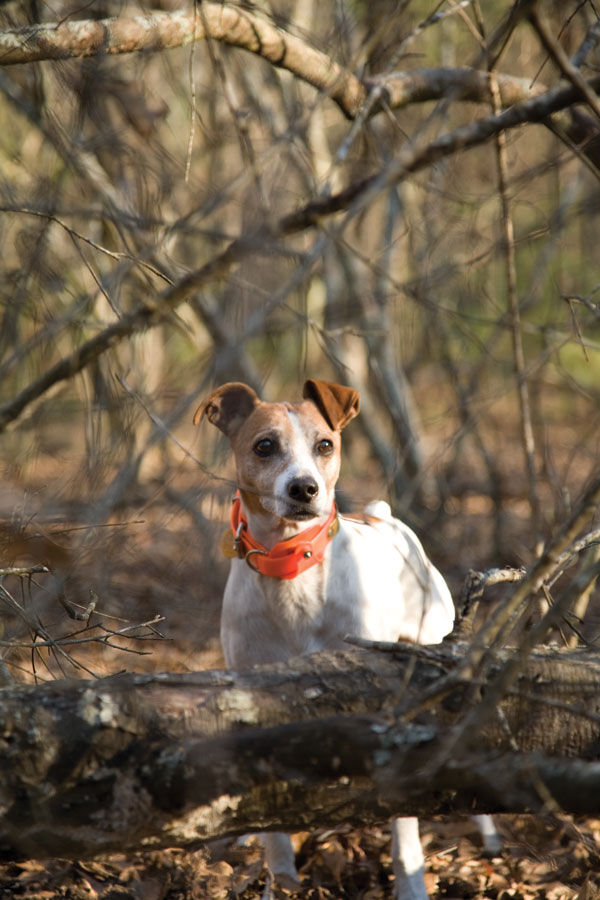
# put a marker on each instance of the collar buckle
(246, 556)
(237, 541)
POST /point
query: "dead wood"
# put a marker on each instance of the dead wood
(138, 761)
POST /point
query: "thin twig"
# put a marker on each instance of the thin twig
(77, 614)
(425, 651)
(570, 71)
(24, 570)
(472, 591)
(590, 41)
(566, 558)
(113, 254)
(470, 668)
(508, 235)
(542, 569)
(94, 638)
(166, 431)
(192, 84)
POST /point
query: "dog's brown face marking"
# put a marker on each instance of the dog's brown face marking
(287, 454)
(287, 460)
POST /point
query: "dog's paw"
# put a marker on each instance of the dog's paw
(492, 842)
(410, 887)
(288, 883)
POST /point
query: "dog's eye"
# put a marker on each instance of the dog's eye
(265, 447)
(324, 447)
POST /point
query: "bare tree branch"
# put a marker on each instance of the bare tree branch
(244, 29)
(508, 235)
(569, 70)
(160, 31)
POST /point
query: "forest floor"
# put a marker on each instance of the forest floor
(158, 554)
(549, 860)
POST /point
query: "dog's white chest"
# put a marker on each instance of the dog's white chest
(268, 620)
(374, 582)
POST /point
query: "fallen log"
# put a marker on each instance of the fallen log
(140, 761)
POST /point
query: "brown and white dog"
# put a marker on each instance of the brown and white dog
(303, 577)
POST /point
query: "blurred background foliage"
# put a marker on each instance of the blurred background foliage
(120, 174)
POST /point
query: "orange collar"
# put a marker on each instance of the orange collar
(287, 558)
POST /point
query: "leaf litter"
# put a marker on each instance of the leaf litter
(541, 860)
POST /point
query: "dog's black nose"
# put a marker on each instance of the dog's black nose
(303, 490)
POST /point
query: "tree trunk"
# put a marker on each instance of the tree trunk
(139, 761)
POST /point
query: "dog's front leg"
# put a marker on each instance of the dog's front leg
(279, 858)
(492, 842)
(408, 862)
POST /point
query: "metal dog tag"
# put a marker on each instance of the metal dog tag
(333, 528)
(228, 547)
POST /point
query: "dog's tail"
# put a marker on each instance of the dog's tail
(379, 509)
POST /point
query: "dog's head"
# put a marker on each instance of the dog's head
(287, 454)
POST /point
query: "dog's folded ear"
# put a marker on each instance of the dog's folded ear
(337, 403)
(228, 406)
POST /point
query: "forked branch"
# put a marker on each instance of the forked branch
(246, 30)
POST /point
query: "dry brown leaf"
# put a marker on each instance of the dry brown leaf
(216, 883)
(39, 895)
(244, 876)
(374, 893)
(431, 882)
(86, 887)
(559, 891)
(98, 870)
(334, 858)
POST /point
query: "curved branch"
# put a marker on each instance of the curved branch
(463, 83)
(160, 31)
(240, 28)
